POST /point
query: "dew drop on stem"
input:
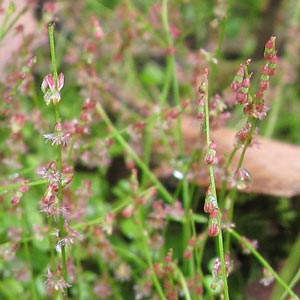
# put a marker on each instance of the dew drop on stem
(242, 179)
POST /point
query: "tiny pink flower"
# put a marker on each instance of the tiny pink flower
(55, 281)
(268, 278)
(58, 138)
(51, 89)
(123, 272)
(71, 236)
(17, 122)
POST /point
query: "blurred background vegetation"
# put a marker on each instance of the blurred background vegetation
(129, 71)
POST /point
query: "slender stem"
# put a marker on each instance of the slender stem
(218, 52)
(171, 65)
(52, 50)
(5, 188)
(292, 283)
(214, 193)
(184, 285)
(59, 154)
(172, 71)
(145, 241)
(233, 193)
(290, 271)
(168, 197)
(5, 29)
(263, 262)
(253, 122)
(26, 224)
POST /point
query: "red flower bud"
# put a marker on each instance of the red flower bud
(241, 98)
(213, 228)
(270, 51)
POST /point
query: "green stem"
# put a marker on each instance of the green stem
(290, 272)
(263, 263)
(26, 224)
(184, 285)
(172, 71)
(233, 192)
(253, 122)
(59, 156)
(214, 193)
(5, 29)
(6, 188)
(218, 52)
(171, 65)
(145, 241)
(168, 197)
(52, 50)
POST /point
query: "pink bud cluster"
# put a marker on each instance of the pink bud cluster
(217, 271)
(188, 253)
(255, 106)
(98, 31)
(19, 194)
(211, 208)
(166, 271)
(210, 156)
(241, 83)
(203, 92)
(55, 281)
(244, 135)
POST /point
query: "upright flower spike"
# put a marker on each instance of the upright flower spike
(270, 51)
(51, 89)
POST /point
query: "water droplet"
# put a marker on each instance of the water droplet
(180, 166)
(178, 174)
(242, 179)
(213, 199)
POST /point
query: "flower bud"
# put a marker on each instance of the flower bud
(213, 228)
(270, 51)
(238, 79)
(51, 89)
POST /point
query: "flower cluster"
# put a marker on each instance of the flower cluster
(203, 90)
(167, 272)
(55, 281)
(255, 105)
(58, 137)
(70, 236)
(50, 202)
(217, 271)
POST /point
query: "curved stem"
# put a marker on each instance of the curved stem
(263, 262)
